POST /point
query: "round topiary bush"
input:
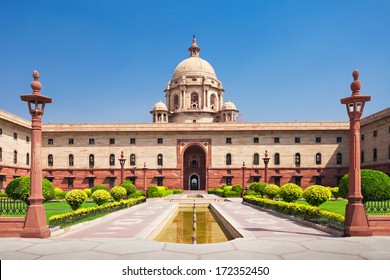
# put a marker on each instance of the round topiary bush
(335, 192)
(118, 193)
(237, 188)
(59, 193)
(99, 187)
(260, 186)
(11, 188)
(101, 196)
(88, 192)
(75, 198)
(271, 191)
(22, 190)
(290, 192)
(129, 186)
(316, 195)
(375, 185)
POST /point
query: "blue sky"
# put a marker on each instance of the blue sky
(109, 61)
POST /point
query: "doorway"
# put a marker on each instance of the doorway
(194, 182)
(194, 168)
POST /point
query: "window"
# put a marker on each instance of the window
(1, 154)
(112, 182)
(256, 159)
(71, 160)
(70, 183)
(276, 140)
(132, 159)
(194, 101)
(15, 157)
(318, 139)
(160, 181)
(50, 160)
(50, 141)
(362, 156)
(112, 160)
(318, 158)
(297, 159)
(176, 102)
(228, 140)
(1, 131)
(160, 160)
(112, 141)
(15, 136)
(318, 180)
(228, 181)
(27, 159)
(213, 102)
(91, 160)
(298, 180)
(339, 139)
(256, 140)
(277, 159)
(228, 159)
(91, 182)
(339, 158)
(71, 141)
(277, 181)
(374, 154)
(132, 141)
(362, 137)
(27, 139)
(159, 140)
(91, 141)
(375, 133)
(297, 139)
(194, 163)
(256, 179)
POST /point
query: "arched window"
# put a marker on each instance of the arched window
(297, 159)
(194, 101)
(194, 163)
(50, 160)
(318, 158)
(339, 158)
(374, 154)
(228, 159)
(91, 160)
(277, 159)
(27, 159)
(15, 157)
(71, 160)
(160, 160)
(176, 101)
(362, 157)
(256, 159)
(1, 154)
(112, 160)
(132, 159)
(213, 102)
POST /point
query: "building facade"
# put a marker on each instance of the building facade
(194, 142)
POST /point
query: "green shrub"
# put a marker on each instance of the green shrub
(223, 186)
(88, 192)
(22, 190)
(253, 185)
(259, 187)
(59, 193)
(237, 188)
(75, 198)
(316, 195)
(151, 189)
(137, 194)
(177, 191)
(11, 188)
(375, 185)
(271, 191)
(129, 186)
(118, 193)
(3, 193)
(99, 187)
(230, 193)
(211, 191)
(251, 192)
(100, 196)
(290, 192)
(219, 192)
(334, 192)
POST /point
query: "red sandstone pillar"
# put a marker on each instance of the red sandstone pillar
(266, 161)
(144, 169)
(356, 223)
(35, 225)
(122, 161)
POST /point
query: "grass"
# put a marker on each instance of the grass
(336, 206)
(56, 208)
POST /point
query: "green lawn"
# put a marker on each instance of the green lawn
(55, 208)
(337, 206)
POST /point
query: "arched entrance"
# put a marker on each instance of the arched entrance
(194, 168)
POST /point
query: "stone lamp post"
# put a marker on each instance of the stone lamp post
(266, 161)
(35, 225)
(356, 223)
(122, 161)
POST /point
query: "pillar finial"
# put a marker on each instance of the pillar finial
(36, 85)
(194, 49)
(356, 84)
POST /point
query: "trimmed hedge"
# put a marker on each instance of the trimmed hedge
(177, 191)
(10, 190)
(158, 191)
(101, 196)
(72, 217)
(88, 192)
(19, 188)
(75, 198)
(59, 193)
(137, 194)
(310, 213)
(316, 195)
(99, 187)
(290, 192)
(118, 193)
(375, 185)
(129, 186)
(271, 191)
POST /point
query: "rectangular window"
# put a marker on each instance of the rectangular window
(228, 181)
(70, 141)
(91, 141)
(228, 140)
(277, 181)
(362, 137)
(256, 140)
(256, 179)
(50, 141)
(318, 139)
(318, 180)
(91, 182)
(27, 139)
(276, 140)
(15, 136)
(297, 139)
(70, 183)
(298, 181)
(339, 139)
(159, 140)
(132, 141)
(112, 182)
(375, 133)
(160, 182)
(1, 131)
(112, 141)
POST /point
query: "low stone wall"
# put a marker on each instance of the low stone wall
(11, 226)
(379, 225)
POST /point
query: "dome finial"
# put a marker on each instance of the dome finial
(194, 49)
(356, 84)
(36, 85)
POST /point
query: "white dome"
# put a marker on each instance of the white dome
(194, 66)
(229, 106)
(160, 106)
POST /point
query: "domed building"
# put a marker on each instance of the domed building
(194, 142)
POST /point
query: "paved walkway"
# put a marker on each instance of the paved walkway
(124, 235)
